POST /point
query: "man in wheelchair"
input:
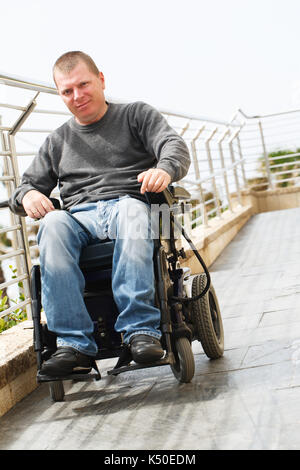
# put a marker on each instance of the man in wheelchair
(104, 161)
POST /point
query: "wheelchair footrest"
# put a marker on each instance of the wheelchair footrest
(118, 370)
(76, 375)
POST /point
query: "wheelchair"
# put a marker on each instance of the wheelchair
(189, 306)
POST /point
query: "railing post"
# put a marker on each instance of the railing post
(224, 169)
(237, 184)
(8, 170)
(270, 180)
(184, 129)
(211, 168)
(6, 167)
(21, 234)
(241, 158)
(194, 152)
(197, 174)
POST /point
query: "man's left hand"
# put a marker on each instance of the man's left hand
(154, 180)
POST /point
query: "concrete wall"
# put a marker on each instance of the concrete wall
(210, 242)
(17, 365)
(272, 200)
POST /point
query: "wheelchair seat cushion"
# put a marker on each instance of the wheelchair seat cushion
(97, 255)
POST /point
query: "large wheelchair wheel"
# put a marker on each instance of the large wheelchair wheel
(57, 391)
(206, 318)
(184, 367)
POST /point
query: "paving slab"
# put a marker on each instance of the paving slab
(249, 399)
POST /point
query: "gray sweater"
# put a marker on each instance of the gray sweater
(102, 160)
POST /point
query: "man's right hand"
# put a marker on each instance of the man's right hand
(36, 204)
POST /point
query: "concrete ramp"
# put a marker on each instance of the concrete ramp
(249, 399)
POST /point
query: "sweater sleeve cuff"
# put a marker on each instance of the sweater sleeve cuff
(168, 169)
(15, 202)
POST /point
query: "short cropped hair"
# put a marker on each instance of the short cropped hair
(68, 61)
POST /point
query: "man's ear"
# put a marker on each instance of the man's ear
(101, 76)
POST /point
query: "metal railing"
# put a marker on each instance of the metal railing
(217, 169)
(271, 148)
(18, 246)
(227, 157)
(249, 152)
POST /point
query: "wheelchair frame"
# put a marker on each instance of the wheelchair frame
(184, 317)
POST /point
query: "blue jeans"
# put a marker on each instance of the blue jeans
(61, 239)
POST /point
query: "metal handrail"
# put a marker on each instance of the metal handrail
(262, 116)
(39, 86)
(26, 83)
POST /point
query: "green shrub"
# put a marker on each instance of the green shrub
(286, 162)
(18, 315)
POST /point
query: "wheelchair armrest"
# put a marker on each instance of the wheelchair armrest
(180, 193)
(171, 195)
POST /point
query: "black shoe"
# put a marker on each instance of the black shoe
(145, 348)
(64, 361)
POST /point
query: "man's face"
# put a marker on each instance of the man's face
(83, 93)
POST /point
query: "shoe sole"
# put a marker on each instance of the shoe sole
(61, 373)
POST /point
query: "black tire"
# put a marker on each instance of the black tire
(207, 320)
(57, 391)
(184, 368)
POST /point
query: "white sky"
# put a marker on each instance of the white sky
(205, 57)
